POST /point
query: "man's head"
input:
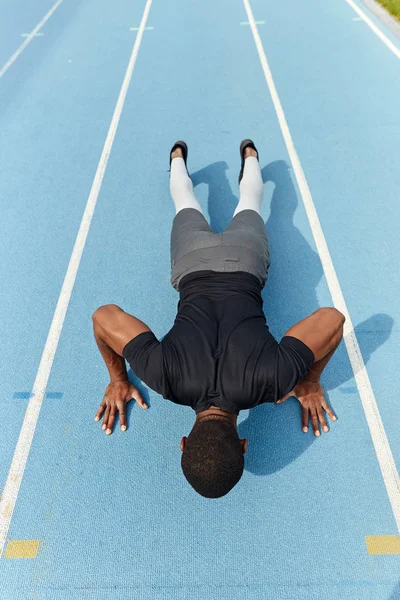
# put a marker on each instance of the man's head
(212, 455)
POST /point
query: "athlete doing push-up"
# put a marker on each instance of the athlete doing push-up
(219, 357)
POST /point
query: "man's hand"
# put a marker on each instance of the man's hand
(312, 399)
(118, 394)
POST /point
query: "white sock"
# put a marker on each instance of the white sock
(251, 186)
(181, 186)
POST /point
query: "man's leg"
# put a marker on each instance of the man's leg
(181, 186)
(247, 229)
(251, 185)
(190, 229)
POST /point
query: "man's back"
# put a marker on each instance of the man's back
(219, 351)
(214, 352)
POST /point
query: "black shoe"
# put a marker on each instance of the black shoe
(245, 144)
(183, 146)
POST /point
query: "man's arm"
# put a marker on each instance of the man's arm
(113, 329)
(322, 332)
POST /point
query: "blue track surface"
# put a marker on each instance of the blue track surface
(114, 515)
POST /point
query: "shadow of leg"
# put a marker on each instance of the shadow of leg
(221, 201)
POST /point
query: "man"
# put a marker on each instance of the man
(219, 357)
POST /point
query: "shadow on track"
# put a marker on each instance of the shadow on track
(395, 595)
(274, 432)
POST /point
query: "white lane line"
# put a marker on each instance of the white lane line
(137, 28)
(23, 446)
(256, 22)
(30, 37)
(39, 34)
(374, 420)
(375, 29)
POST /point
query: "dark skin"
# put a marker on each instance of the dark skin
(113, 329)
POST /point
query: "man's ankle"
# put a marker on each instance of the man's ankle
(177, 153)
(249, 152)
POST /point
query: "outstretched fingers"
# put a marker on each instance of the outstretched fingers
(101, 410)
(328, 409)
(314, 421)
(317, 417)
(117, 395)
(322, 420)
(136, 395)
(105, 418)
(122, 415)
(304, 419)
(111, 419)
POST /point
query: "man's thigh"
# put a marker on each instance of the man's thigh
(243, 246)
(190, 231)
(247, 230)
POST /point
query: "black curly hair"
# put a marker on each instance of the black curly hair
(212, 460)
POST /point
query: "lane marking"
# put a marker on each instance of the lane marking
(22, 549)
(375, 29)
(374, 420)
(54, 395)
(256, 22)
(39, 34)
(383, 544)
(28, 395)
(21, 453)
(137, 28)
(29, 38)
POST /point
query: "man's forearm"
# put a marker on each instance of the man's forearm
(115, 364)
(314, 373)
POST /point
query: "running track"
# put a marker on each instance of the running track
(318, 90)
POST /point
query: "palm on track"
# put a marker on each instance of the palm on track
(116, 397)
(313, 403)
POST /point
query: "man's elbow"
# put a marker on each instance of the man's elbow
(103, 313)
(333, 314)
(97, 315)
(340, 317)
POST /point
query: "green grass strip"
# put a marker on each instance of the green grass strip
(393, 6)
